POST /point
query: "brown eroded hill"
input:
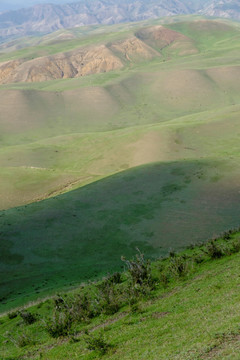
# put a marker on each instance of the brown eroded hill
(159, 37)
(65, 65)
(133, 49)
(146, 45)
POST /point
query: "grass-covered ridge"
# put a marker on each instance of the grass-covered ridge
(185, 306)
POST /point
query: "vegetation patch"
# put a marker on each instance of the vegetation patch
(87, 322)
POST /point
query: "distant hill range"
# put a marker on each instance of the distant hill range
(46, 18)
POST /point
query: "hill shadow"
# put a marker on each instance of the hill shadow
(82, 234)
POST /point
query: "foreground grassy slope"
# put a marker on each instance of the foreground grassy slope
(193, 316)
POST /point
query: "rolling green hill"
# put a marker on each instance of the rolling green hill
(150, 153)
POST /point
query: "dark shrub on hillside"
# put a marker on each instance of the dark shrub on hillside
(97, 342)
(12, 315)
(109, 297)
(226, 235)
(179, 266)
(115, 278)
(235, 246)
(164, 279)
(60, 303)
(199, 258)
(21, 340)
(24, 340)
(214, 250)
(139, 270)
(59, 325)
(82, 308)
(28, 318)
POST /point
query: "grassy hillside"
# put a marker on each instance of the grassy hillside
(187, 307)
(150, 152)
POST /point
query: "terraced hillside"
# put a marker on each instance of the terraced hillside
(150, 151)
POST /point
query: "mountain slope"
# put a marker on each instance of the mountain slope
(48, 17)
(225, 9)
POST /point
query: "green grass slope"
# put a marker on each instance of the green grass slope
(193, 315)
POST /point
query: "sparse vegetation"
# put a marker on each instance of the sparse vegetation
(27, 317)
(59, 325)
(12, 315)
(97, 342)
(179, 265)
(82, 318)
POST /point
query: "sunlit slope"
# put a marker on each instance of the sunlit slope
(40, 169)
(55, 139)
(141, 98)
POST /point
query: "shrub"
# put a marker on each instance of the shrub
(164, 279)
(179, 266)
(20, 341)
(60, 303)
(199, 258)
(139, 270)
(97, 342)
(24, 340)
(135, 309)
(226, 235)
(28, 318)
(214, 250)
(235, 246)
(115, 278)
(12, 315)
(109, 297)
(59, 325)
(81, 308)
(172, 254)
